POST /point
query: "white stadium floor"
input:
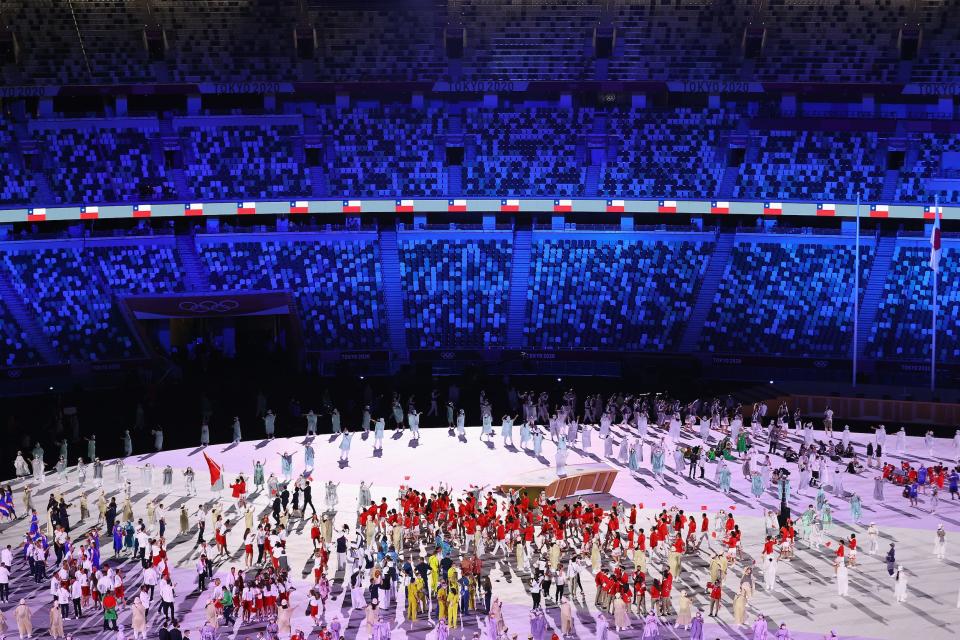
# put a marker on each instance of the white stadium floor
(806, 598)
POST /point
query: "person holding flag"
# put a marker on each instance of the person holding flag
(216, 473)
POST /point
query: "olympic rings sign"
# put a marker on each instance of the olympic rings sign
(208, 306)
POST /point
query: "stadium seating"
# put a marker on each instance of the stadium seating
(139, 268)
(813, 165)
(902, 329)
(678, 41)
(853, 41)
(385, 42)
(228, 40)
(243, 161)
(112, 32)
(529, 40)
(525, 151)
(455, 292)
(47, 35)
(73, 304)
(102, 165)
(633, 295)
(14, 349)
(672, 153)
(385, 151)
(16, 184)
(786, 300)
(938, 57)
(337, 285)
(929, 163)
(848, 41)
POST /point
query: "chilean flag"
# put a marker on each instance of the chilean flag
(298, 206)
(404, 206)
(667, 206)
(879, 211)
(142, 210)
(562, 206)
(935, 244)
(509, 206)
(193, 209)
(89, 213)
(930, 214)
(719, 207)
(246, 208)
(772, 208)
(456, 206)
(826, 209)
(615, 206)
(351, 206)
(36, 215)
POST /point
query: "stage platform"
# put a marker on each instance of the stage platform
(806, 599)
(583, 480)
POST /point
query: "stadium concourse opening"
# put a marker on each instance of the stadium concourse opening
(248, 324)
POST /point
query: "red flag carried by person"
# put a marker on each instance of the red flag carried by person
(215, 470)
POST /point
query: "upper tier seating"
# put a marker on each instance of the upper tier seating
(678, 41)
(852, 41)
(674, 153)
(228, 40)
(815, 165)
(243, 161)
(525, 151)
(223, 41)
(97, 165)
(931, 162)
(16, 184)
(532, 40)
(385, 151)
(938, 59)
(400, 41)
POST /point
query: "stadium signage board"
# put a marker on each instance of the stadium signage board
(208, 305)
(223, 88)
(28, 92)
(477, 205)
(714, 86)
(782, 362)
(932, 88)
(480, 86)
(375, 355)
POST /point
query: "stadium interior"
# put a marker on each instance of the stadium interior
(638, 224)
(113, 109)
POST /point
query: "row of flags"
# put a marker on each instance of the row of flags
(459, 205)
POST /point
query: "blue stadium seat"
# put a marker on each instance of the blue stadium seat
(76, 311)
(634, 295)
(902, 329)
(455, 292)
(786, 300)
(337, 285)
